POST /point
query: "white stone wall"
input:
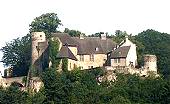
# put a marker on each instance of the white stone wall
(132, 55)
(150, 63)
(36, 37)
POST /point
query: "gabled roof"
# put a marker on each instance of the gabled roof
(65, 38)
(93, 45)
(87, 45)
(120, 52)
(65, 52)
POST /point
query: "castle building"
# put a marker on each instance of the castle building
(39, 53)
(150, 62)
(124, 55)
(84, 52)
(87, 53)
(90, 52)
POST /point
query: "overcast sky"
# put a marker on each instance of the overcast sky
(87, 16)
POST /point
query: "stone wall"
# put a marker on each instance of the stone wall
(36, 83)
(132, 55)
(115, 63)
(99, 60)
(36, 38)
(150, 62)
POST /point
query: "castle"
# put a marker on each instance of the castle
(92, 52)
(87, 53)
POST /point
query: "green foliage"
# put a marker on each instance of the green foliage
(53, 51)
(13, 95)
(17, 54)
(38, 98)
(73, 33)
(65, 64)
(143, 90)
(154, 42)
(47, 23)
(55, 88)
(70, 87)
(98, 34)
(24, 80)
(119, 36)
(81, 87)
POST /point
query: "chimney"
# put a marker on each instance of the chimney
(126, 37)
(81, 36)
(103, 36)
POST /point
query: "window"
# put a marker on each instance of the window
(91, 57)
(75, 66)
(117, 60)
(81, 67)
(96, 49)
(81, 57)
(90, 67)
(70, 65)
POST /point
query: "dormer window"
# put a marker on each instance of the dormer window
(96, 49)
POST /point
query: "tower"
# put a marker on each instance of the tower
(150, 63)
(36, 37)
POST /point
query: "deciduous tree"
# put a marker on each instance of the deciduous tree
(48, 23)
(17, 54)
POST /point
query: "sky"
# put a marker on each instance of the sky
(87, 16)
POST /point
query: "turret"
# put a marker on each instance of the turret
(36, 38)
(150, 63)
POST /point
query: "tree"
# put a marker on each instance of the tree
(12, 95)
(53, 51)
(73, 33)
(98, 34)
(154, 42)
(119, 36)
(17, 54)
(47, 23)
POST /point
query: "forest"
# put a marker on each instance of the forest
(81, 87)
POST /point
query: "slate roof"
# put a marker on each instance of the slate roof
(120, 52)
(65, 52)
(86, 46)
(93, 45)
(65, 38)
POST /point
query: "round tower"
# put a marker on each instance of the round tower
(150, 63)
(36, 38)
